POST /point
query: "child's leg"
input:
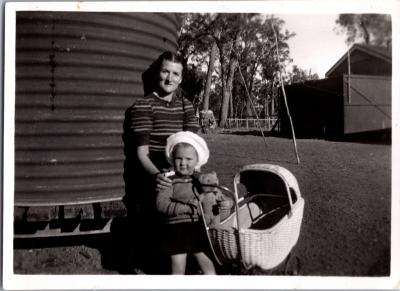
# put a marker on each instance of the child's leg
(205, 263)
(178, 264)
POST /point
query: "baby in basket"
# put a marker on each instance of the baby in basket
(183, 232)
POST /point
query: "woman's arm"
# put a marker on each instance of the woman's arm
(162, 182)
(143, 156)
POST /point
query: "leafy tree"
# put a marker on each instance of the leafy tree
(259, 64)
(192, 84)
(375, 29)
(195, 39)
(244, 41)
(203, 31)
(230, 26)
(298, 75)
(211, 63)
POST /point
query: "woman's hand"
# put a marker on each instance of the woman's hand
(162, 182)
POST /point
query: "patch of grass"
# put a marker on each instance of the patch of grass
(347, 189)
(347, 215)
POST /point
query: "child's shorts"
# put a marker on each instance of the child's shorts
(180, 238)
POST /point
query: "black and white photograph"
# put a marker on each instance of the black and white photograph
(150, 143)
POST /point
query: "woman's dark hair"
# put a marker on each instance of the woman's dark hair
(167, 56)
(150, 76)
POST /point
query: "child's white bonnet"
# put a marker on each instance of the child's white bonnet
(194, 140)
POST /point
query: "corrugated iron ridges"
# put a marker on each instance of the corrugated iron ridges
(76, 74)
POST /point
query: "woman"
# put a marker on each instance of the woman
(151, 120)
(160, 114)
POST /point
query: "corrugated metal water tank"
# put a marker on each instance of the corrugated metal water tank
(76, 74)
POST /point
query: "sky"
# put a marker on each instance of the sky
(316, 46)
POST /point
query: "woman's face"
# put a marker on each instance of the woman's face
(170, 76)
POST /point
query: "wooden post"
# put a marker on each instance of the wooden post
(266, 106)
(251, 102)
(348, 77)
(272, 103)
(284, 96)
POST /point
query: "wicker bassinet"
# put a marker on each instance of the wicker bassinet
(265, 225)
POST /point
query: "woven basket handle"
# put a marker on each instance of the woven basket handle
(234, 197)
(290, 199)
(196, 193)
(206, 228)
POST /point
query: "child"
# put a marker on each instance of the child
(184, 232)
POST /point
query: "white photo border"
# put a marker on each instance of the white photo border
(42, 282)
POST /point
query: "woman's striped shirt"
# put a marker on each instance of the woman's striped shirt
(153, 120)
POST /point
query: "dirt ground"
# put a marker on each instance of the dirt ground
(346, 223)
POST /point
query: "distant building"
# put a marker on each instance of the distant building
(364, 60)
(338, 105)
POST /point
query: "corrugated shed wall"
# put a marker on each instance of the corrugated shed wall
(369, 106)
(76, 74)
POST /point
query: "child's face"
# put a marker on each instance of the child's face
(185, 160)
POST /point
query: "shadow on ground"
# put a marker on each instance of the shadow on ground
(383, 137)
(380, 137)
(125, 250)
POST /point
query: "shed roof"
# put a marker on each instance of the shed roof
(383, 53)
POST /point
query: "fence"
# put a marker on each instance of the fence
(251, 123)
